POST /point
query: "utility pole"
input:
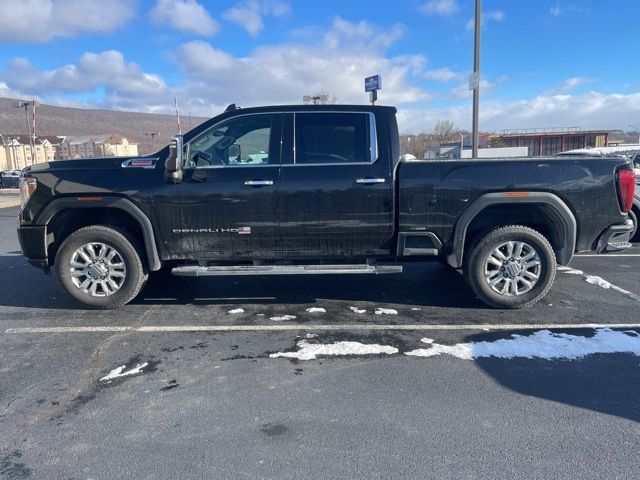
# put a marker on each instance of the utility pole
(476, 74)
(25, 105)
(153, 142)
(15, 156)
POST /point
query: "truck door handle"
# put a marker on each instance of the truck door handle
(258, 183)
(369, 181)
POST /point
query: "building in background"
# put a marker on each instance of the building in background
(16, 152)
(104, 145)
(548, 142)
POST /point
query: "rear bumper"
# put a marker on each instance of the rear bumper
(33, 242)
(615, 238)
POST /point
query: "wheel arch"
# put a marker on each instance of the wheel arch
(539, 210)
(62, 215)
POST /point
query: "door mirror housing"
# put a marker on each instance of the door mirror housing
(175, 161)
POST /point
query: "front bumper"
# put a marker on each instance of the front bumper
(615, 238)
(33, 242)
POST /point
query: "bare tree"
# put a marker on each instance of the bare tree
(446, 131)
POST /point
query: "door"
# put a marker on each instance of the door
(335, 197)
(225, 205)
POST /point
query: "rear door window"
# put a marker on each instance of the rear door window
(331, 138)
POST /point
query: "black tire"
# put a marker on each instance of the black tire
(633, 215)
(126, 246)
(475, 267)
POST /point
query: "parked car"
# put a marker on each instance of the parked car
(634, 213)
(9, 178)
(317, 190)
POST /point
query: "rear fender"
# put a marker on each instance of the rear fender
(561, 217)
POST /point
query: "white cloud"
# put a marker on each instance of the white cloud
(337, 62)
(443, 75)
(440, 7)
(125, 84)
(37, 21)
(184, 15)
(590, 110)
(560, 9)
(250, 13)
(568, 85)
(495, 16)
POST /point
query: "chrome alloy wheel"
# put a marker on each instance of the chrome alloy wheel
(97, 269)
(513, 268)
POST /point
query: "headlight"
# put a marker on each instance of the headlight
(27, 187)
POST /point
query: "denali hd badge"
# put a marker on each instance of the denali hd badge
(239, 231)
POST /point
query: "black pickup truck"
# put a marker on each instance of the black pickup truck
(316, 190)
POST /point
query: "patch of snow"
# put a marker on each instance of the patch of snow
(316, 310)
(593, 280)
(542, 344)
(283, 318)
(236, 310)
(415, 309)
(386, 311)
(120, 372)
(357, 310)
(311, 335)
(309, 351)
(571, 271)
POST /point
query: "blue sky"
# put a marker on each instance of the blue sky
(546, 63)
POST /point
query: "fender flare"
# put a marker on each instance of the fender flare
(562, 216)
(58, 204)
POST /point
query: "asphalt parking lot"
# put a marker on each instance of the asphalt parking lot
(215, 378)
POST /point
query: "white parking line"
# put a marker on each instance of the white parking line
(614, 255)
(297, 326)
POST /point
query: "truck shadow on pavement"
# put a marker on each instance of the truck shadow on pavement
(422, 284)
(605, 383)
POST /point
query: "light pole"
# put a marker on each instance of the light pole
(153, 136)
(638, 129)
(476, 73)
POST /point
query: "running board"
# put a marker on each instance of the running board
(197, 271)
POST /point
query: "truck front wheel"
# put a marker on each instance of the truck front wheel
(511, 267)
(100, 267)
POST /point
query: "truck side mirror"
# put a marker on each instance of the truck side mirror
(175, 161)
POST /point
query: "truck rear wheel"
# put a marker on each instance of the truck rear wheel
(100, 267)
(633, 215)
(511, 267)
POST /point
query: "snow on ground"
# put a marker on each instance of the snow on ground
(316, 310)
(283, 318)
(542, 344)
(119, 372)
(593, 280)
(571, 271)
(357, 310)
(386, 311)
(236, 310)
(310, 351)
